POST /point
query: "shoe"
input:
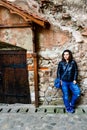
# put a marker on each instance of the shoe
(70, 110)
(72, 107)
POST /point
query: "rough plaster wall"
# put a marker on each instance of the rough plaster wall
(21, 37)
(18, 37)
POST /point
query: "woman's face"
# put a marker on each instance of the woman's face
(66, 55)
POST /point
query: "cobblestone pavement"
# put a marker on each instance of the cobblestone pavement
(27, 117)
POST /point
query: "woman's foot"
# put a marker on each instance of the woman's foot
(70, 110)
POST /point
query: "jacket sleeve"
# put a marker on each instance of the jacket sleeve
(76, 71)
(59, 71)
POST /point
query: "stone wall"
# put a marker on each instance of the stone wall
(68, 31)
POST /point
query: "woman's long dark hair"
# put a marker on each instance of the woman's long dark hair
(70, 55)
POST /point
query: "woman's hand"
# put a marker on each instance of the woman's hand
(74, 81)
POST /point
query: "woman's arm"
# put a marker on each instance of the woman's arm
(59, 71)
(76, 72)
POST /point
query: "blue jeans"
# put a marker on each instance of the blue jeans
(75, 90)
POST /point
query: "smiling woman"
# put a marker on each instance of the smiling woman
(66, 56)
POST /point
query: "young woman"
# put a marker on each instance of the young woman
(67, 72)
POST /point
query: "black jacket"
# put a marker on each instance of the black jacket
(71, 73)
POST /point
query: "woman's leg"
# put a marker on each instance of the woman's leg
(76, 93)
(65, 90)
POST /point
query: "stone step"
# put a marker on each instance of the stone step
(42, 109)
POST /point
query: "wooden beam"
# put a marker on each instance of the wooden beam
(34, 30)
(36, 82)
(24, 14)
(31, 68)
(30, 55)
(21, 25)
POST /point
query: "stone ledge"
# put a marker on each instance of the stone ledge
(50, 109)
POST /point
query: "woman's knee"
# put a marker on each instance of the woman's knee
(76, 89)
(77, 93)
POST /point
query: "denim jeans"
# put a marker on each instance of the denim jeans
(75, 93)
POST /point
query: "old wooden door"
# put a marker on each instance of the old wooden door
(14, 86)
